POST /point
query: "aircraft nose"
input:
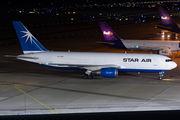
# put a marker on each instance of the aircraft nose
(171, 65)
(174, 65)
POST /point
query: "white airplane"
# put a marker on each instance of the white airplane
(162, 47)
(104, 64)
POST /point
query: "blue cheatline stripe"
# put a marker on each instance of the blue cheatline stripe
(27, 40)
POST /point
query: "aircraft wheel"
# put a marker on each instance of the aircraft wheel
(161, 74)
(86, 77)
(90, 77)
(160, 78)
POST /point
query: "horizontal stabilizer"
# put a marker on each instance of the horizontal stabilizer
(109, 43)
(164, 27)
(24, 57)
(10, 56)
(168, 28)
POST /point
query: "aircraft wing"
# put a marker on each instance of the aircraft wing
(154, 48)
(94, 67)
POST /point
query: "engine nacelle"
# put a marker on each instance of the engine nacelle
(109, 72)
(165, 52)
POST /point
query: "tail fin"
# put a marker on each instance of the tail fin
(110, 35)
(28, 42)
(167, 20)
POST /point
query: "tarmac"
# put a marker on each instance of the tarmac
(27, 88)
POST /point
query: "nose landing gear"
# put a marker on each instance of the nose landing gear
(161, 74)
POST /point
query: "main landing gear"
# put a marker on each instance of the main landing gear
(88, 75)
(161, 74)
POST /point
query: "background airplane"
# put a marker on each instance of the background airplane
(167, 22)
(104, 64)
(162, 47)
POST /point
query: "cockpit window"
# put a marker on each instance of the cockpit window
(168, 60)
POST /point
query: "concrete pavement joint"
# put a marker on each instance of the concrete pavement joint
(35, 99)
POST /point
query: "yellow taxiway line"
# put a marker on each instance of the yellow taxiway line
(35, 99)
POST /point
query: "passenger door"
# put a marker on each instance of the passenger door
(155, 61)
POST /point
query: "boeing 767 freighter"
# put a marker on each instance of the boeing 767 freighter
(104, 64)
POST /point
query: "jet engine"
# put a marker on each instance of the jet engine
(107, 72)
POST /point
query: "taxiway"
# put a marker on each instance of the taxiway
(27, 88)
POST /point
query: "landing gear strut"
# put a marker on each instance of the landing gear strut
(88, 75)
(161, 74)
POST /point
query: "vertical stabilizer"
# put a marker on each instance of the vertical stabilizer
(28, 42)
(108, 33)
(110, 36)
(167, 21)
